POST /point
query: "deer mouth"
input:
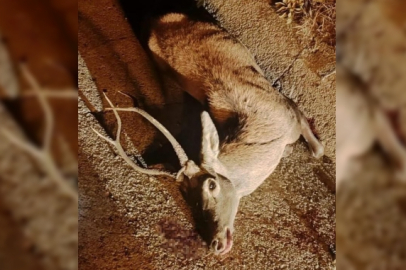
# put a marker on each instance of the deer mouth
(229, 242)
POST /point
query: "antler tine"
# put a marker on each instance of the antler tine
(120, 149)
(183, 158)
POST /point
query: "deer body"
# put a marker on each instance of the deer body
(250, 123)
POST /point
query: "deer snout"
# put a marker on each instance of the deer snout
(222, 243)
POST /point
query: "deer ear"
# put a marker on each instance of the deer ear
(210, 140)
(187, 171)
(185, 176)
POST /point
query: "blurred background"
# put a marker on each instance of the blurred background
(371, 134)
(38, 134)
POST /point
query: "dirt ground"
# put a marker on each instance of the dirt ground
(129, 220)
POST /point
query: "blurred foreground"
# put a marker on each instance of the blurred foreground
(38, 134)
(371, 134)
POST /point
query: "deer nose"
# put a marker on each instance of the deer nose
(222, 242)
(217, 245)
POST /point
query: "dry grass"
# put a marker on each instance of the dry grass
(315, 18)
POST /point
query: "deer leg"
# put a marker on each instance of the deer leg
(390, 143)
(288, 150)
(316, 147)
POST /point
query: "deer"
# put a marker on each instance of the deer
(247, 126)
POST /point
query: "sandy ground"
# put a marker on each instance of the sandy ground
(128, 220)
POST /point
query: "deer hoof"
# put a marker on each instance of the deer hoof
(318, 151)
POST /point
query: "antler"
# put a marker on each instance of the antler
(42, 154)
(183, 159)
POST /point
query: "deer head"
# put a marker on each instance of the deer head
(212, 197)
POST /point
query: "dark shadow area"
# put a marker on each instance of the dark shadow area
(139, 13)
(189, 137)
(15, 108)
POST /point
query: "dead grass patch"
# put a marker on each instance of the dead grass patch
(315, 19)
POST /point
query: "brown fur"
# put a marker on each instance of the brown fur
(221, 73)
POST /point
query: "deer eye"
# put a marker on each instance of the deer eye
(212, 185)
